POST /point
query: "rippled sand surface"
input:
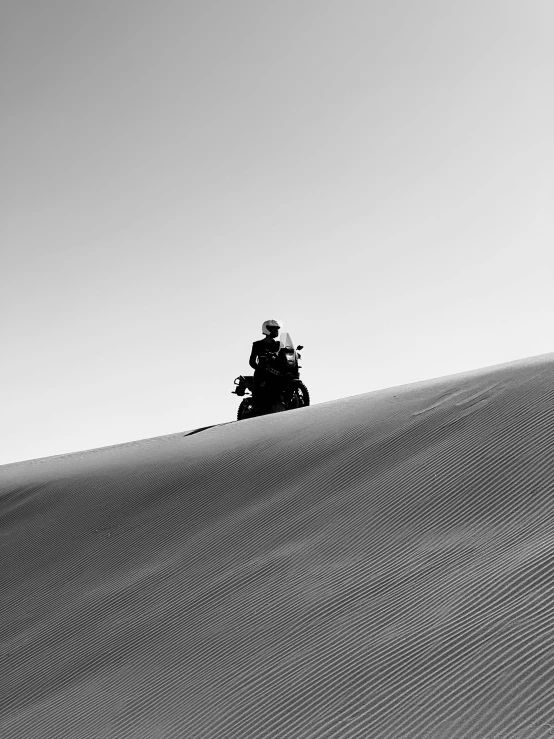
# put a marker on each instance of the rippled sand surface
(379, 567)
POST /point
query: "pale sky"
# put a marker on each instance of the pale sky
(378, 175)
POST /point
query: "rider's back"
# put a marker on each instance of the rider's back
(262, 348)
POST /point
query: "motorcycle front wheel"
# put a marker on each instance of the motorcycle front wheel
(299, 396)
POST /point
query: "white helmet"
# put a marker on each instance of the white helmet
(271, 323)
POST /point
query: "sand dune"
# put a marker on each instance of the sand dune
(380, 566)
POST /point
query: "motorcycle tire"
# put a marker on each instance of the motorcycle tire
(246, 409)
(299, 397)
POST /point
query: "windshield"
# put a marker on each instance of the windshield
(285, 340)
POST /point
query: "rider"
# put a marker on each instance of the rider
(260, 354)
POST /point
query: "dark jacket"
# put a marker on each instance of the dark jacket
(260, 349)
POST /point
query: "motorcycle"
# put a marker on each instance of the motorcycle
(280, 387)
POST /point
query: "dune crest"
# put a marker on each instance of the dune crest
(379, 566)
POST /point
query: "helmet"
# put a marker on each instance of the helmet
(267, 324)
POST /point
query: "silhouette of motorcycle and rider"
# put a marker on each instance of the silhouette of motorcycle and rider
(275, 385)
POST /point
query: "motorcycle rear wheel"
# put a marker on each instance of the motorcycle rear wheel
(299, 397)
(246, 409)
